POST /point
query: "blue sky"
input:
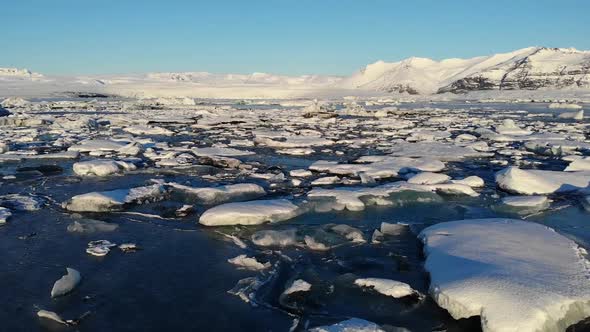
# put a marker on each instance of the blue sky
(280, 36)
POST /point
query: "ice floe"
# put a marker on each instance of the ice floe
(114, 200)
(541, 182)
(250, 213)
(66, 283)
(516, 275)
(387, 287)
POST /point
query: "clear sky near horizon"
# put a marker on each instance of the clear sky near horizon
(280, 36)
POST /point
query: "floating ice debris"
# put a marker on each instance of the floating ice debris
(437, 150)
(221, 194)
(526, 201)
(220, 152)
(351, 198)
(579, 115)
(327, 180)
(300, 173)
(4, 215)
(471, 181)
(249, 263)
(148, 130)
(250, 213)
(393, 229)
(387, 287)
(272, 238)
(429, 178)
(297, 286)
(99, 247)
(128, 247)
(379, 166)
(89, 226)
(349, 232)
(246, 289)
(539, 182)
(66, 283)
(98, 145)
(353, 325)
(114, 200)
(516, 275)
(51, 316)
(293, 142)
(184, 210)
(101, 167)
(314, 244)
(509, 127)
(21, 202)
(565, 105)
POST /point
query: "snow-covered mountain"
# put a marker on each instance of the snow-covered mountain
(15, 73)
(561, 70)
(527, 69)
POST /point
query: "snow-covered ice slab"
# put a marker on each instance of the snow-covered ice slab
(115, 199)
(516, 275)
(250, 213)
(220, 152)
(379, 166)
(526, 201)
(386, 287)
(437, 150)
(101, 167)
(540, 182)
(351, 198)
(221, 194)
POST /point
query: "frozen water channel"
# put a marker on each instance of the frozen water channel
(292, 215)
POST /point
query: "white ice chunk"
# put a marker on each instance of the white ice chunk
(250, 213)
(51, 316)
(115, 199)
(539, 182)
(387, 287)
(222, 194)
(66, 283)
(526, 201)
(268, 238)
(4, 215)
(379, 166)
(148, 130)
(472, 181)
(298, 285)
(101, 167)
(516, 275)
(429, 178)
(579, 115)
(249, 263)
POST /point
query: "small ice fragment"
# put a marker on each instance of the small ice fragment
(51, 315)
(268, 238)
(4, 215)
(298, 285)
(249, 263)
(387, 287)
(66, 283)
(128, 247)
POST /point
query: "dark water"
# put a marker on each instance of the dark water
(180, 279)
